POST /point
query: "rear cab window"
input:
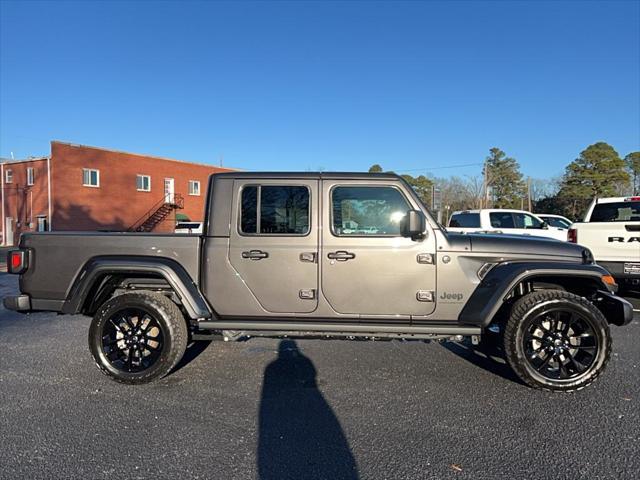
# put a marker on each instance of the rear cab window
(274, 210)
(616, 212)
(465, 220)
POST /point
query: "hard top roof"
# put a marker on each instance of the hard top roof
(310, 175)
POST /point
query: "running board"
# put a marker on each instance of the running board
(342, 329)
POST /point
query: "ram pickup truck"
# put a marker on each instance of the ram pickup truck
(323, 254)
(611, 230)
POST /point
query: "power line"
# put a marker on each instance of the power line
(460, 165)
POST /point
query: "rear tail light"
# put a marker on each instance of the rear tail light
(17, 261)
(572, 235)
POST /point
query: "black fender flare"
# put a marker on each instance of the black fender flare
(174, 273)
(490, 294)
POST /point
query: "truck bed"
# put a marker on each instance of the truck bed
(56, 258)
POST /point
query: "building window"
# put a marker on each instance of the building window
(143, 183)
(30, 175)
(274, 210)
(90, 177)
(194, 187)
(8, 176)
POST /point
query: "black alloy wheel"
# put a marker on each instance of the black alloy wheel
(560, 344)
(138, 337)
(556, 340)
(132, 340)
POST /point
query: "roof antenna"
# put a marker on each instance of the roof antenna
(221, 158)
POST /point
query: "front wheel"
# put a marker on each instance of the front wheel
(556, 340)
(138, 337)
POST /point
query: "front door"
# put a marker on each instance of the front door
(8, 231)
(274, 242)
(168, 190)
(368, 268)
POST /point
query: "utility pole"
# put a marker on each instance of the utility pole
(529, 193)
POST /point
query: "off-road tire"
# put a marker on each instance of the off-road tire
(526, 309)
(170, 320)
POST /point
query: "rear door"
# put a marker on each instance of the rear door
(274, 243)
(368, 268)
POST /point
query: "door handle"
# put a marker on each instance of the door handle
(255, 254)
(341, 255)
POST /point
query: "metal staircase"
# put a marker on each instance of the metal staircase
(158, 213)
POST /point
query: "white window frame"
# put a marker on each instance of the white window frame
(193, 191)
(30, 176)
(143, 176)
(97, 185)
(8, 176)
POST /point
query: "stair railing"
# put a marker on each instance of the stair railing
(177, 202)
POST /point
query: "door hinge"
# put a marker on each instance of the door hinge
(307, 294)
(425, 295)
(425, 258)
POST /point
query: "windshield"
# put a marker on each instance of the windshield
(616, 212)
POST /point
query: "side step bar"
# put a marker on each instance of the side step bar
(342, 329)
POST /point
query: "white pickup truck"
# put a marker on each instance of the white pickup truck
(513, 222)
(611, 230)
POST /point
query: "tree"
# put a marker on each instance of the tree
(597, 172)
(375, 168)
(504, 179)
(423, 186)
(633, 164)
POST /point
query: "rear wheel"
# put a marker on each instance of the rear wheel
(556, 340)
(138, 337)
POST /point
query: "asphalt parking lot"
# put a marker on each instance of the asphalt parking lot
(270, 409)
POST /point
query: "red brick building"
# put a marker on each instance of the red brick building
(87, 188)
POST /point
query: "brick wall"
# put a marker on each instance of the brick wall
(116, 204)
(24, 203)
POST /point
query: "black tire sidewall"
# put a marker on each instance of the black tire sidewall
(568, 302)
(154, 309)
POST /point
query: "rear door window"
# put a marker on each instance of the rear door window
(274, 210)
(501, 220)
(465, 220)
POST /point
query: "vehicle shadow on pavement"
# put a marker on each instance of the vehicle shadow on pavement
(489, 357)
(300, 436)
(191, 353)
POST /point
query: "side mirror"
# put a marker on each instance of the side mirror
(413, 224)
(544, 225)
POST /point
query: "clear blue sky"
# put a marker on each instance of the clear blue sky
(333, 86)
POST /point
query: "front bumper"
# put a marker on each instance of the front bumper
(616, 309)
(616, 269)
(17, 303)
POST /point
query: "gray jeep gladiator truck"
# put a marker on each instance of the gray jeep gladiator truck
(330, 255)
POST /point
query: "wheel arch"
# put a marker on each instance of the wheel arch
(507, 282)
(101, 276)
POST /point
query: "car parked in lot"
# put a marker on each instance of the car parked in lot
(557, 221)
(281, 254)
(611, 230)
(189, 227)
(514, 222)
